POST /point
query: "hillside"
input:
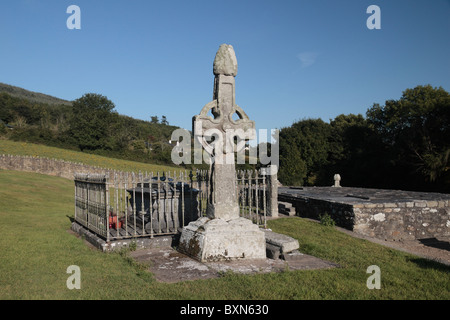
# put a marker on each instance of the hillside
(81, 125)
(32, 96)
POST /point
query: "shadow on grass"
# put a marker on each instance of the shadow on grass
(430, 264)
(71, 218)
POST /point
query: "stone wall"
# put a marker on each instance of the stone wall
(403, 220)
(52, 167)
(412, 215)
(312, 208)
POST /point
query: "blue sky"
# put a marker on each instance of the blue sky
(297, 59)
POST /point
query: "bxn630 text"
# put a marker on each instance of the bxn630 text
(246, 309)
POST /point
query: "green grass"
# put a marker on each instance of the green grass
(37, 150)
(36, 248)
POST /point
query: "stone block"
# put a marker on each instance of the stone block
(420, 204)
(356, 210)
(218, 240)
(379, 217)
(272, 251)
(285, 243)
(432, 203)
(292, 256)
(286, 208)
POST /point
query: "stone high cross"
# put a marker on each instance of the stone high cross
(223, 235)
(223, 202)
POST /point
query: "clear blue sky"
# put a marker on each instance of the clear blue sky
(297, 59)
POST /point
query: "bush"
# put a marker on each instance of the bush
(326, 220)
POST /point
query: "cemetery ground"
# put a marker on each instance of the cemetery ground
(37, 247)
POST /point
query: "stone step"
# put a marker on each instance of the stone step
(286, 208)
(279, 245)
(292, 256)
(284, 205)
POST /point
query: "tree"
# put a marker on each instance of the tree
(416, 129)
(355, 152)
(308, 140)
(92, 118)
(292, 167)
(164, 120)
(154, 119)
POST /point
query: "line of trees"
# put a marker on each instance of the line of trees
(404, 144)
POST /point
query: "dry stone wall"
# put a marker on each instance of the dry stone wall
(52, 167)
(384, 214)
(403, 220)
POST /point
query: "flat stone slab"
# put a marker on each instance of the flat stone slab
(349, 195)
(284, 242)
(170, 266)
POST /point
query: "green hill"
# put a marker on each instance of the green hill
(39, 118)
(31, 96)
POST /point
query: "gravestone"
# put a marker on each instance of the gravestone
(337, 180)
(162, 207)
(222, 234)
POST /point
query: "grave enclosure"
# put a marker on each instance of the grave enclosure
(384, 214)
(215, 216)
(122, 209)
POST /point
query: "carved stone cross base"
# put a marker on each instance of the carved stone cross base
(210, 240)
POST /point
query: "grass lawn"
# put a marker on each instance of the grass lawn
(36, 248)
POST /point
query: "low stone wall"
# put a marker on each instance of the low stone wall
(384, 214)
(403, 220)
(52, 167)
(312, 208)
(139, 243)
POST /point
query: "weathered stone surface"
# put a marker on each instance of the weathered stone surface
(272, 251)
(284, 242)
(292, 256)
(286, 208)
(139, 243)
(225, 61)
(222, 202)
(337, 180)
(52, 167)
(272, 205)
(216, 239)
(223, 235)
(385, 214)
